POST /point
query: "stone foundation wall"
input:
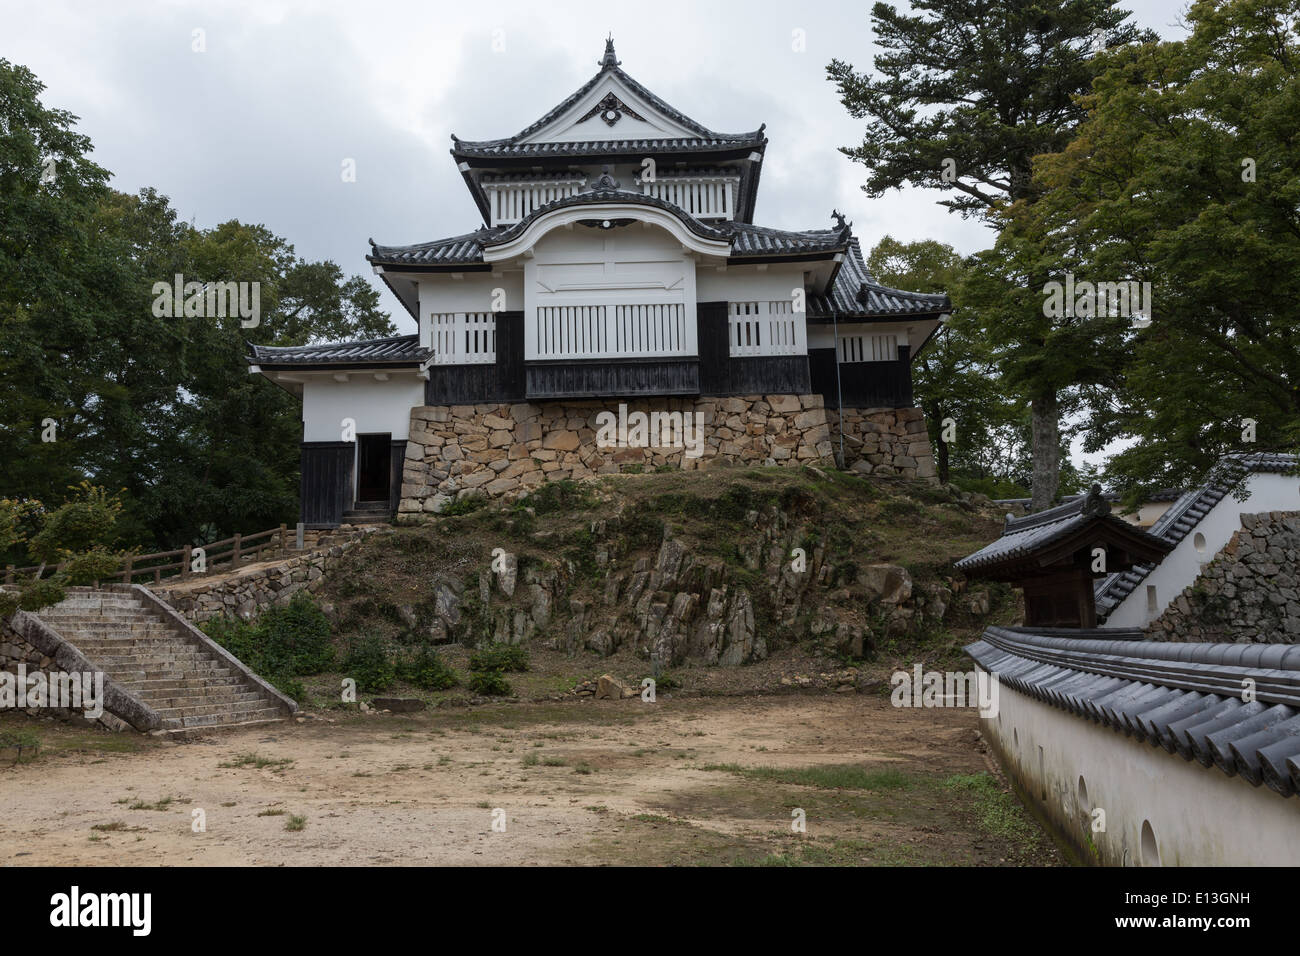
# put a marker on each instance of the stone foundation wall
(455, 451)
(1249, 594)
(248, 592)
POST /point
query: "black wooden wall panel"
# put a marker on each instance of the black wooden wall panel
(325, 486)
(502, 381)
(767, 375)
(398, 462)
(612, 378)
(864, 384)
(714, 348)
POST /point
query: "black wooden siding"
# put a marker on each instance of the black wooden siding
(720, 374)
(511, 379)
(862, 384)
(397, 462)
(325, 488)
(502, 381)
(615, 378)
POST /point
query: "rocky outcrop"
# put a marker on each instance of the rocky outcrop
(684, 600)
(459, 451)
(1250, 592)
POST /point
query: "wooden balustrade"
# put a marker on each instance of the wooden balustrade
(224, 555)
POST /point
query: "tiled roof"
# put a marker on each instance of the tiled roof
(705, 139)
(856, 294)
(746, 240)
(1022, 537)
(1185, 698)
(1184, 515)
(750, 240)
(399, 349)
(458, 250)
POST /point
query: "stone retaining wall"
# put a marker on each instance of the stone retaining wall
(1250, 592)
(455, 451)
(248, 592)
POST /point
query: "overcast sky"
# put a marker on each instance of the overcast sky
(256, 127)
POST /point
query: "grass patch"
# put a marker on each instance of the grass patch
(256, 761)
(834, 777)
(295, 823)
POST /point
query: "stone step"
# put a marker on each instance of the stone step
(156, 661)
(180, 684)
(192, 705)
(134, 675)
(218, 710)
(94, 605)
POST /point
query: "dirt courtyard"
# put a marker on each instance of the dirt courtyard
(687, 781)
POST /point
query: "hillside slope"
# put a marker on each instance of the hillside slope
(684, 570)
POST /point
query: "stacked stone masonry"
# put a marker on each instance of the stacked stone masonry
(459, 451)
(1250, 592)
(248, 592)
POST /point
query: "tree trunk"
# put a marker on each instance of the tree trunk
(1045, 424)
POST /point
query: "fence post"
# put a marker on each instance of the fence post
(9, 574)
(187, 561)
(234, 554)
(298, 542)
(126, 573)
(284, 538)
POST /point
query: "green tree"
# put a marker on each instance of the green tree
(964, 95)
(1186, 175)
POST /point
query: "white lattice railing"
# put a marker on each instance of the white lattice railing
(610, 331)
(511, 202)
(766, 328)
(463, 338)
(868, 348)
(703, 197)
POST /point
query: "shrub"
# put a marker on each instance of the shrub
(283, 644)
(499, 656)
(427, 670)
(370, 666)
(489, 684)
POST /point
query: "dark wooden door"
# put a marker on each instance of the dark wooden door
(374, 466)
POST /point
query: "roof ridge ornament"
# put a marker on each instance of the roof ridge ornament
(609, 61)
(604, 181)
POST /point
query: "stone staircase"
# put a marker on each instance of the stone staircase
(368, 512)
(160, 660)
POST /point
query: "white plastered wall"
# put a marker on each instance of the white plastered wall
(1198, 816)
(1267, 492)
(375, 406)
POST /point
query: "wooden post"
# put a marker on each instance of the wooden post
(126, 573)
(234, 554)
(9, 574)
(298, 542)
(187, 561)
(284, 538)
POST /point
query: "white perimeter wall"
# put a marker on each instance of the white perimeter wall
(1268, 492)
(1198, 815)
(374, 406)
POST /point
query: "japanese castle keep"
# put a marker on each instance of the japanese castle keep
(618, 308)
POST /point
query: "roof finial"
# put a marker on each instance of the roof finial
(609, 59)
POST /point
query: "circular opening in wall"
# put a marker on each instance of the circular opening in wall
(1150, 851)
(1198, 542)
